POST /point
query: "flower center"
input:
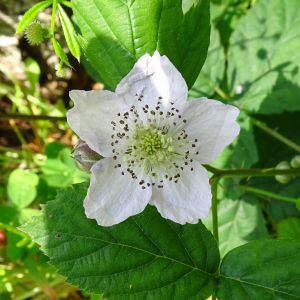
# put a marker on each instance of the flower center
(151, 146)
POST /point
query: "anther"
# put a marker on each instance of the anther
(114, 157)
(118, 114)
(160, 186)
(193, 145)
(159, 97)
(112, 143)
(143, 187)
(192, 169)
(196, 140)
(184, 121)
(122, 173)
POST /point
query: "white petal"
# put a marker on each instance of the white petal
(153, 77)
(213, 124)
(91, 119)
(186, 201)
(113, 197)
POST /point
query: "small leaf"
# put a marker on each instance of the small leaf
(66, 3)
(22, 187)
(240, 221)
(69, 32)
(31, 14)
(144, 257)
(264, 269)
(60, 52)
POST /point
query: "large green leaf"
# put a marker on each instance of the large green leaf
(144, 257)
(117, 33)
(240, 221)
(213, 70)
(264, 57)
(264, 269)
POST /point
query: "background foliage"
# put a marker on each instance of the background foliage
(252, 62)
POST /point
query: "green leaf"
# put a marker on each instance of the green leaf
(60, 52)
(264, 59)
(52, 149)
(22, 187)
(213, 70)
(33, 72)
(69, 32)
(31, 14)
(264, 269)
(240, 221)
(144, 257)
(289, 229)
(113, 47)
(8, 214)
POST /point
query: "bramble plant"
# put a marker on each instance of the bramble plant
(134, 231)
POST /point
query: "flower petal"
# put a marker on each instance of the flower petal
(113, 197)
(210, 126)
(153, 77)
(186, 201)
(91, 119)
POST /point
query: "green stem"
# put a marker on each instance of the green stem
(250, 172)
(54, 7)
(30, 117)
(275, 134)
(266, 193)
(214, 191)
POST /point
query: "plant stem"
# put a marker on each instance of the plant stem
(54, 7)
(250, 172)
(30, 117)
(275, 134)
(266, 193)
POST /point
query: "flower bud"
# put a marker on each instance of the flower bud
(284, 165)
(84, 156)
(35, 33)
(3, 239)
(295, 162)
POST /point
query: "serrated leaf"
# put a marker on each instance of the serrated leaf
(22, 187)
(240, 221)
(144, 257)
(264, 269)
(117, 34)
(31, 14)
(69, 32)
(212, 72)
(264, 59)
(60, 52)
(289, 229)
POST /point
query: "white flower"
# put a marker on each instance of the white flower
(154, 143)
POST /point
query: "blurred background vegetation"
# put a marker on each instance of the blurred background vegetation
(35, 151)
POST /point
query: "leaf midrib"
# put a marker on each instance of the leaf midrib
(123, 245)
(261, 286)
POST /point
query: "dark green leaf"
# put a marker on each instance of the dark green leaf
(264, 59)
(144, 257)
(69, 32)
(240, 221)
(31, 14)
(8, 214)
(52, 149)
(60, 52)
(113, 47)
(264, 269)
(289, 229)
